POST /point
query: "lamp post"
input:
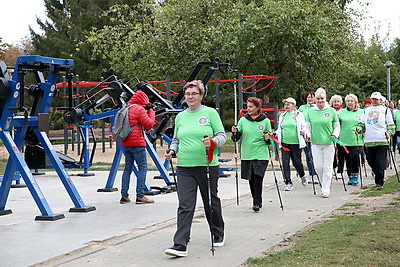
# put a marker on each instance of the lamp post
(388, 64)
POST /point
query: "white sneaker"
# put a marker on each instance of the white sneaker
(315, 179)
(325, 195)
(303, 181)
(289, 187)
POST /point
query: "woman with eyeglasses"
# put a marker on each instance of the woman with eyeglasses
(198, 131)
(253, 129)
(322, 124)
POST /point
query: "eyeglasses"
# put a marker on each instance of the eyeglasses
(191, 94)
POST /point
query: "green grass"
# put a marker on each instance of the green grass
(391, 185)
(356, 240)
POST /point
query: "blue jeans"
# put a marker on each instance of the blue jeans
(309, 160)
(138, 155)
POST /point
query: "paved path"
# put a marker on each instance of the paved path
(137, 235)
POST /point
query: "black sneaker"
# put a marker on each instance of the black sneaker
(177, 250)
(256, 208)
(219, 241)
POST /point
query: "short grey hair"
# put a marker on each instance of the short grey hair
(336, 97)
(196, 84)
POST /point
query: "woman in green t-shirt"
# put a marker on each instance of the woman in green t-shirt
(349, 117)
(198, 130)
(252, 129)
(322, 123)
(291, 134)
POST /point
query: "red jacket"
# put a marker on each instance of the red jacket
(138, 115)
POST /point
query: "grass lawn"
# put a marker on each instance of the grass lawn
(347, 240)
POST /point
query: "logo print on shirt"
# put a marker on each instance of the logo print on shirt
(327, 114)
(358, 116)
(373, 117)
(260, 127)
(203, 120)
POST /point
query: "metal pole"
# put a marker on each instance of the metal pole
(388, 83)
(388, 65)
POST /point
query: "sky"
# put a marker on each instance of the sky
(22, 14)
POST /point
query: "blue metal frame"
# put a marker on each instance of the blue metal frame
(14, 146)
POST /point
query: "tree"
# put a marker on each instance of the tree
(10, 52)
(306, 45)
(65, 29)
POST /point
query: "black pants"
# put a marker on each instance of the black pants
(339, 159)
(377, 160)
(256, 187)
(295, 155)
(351, 158)
(189, 179)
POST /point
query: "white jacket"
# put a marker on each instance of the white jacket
(301, 124)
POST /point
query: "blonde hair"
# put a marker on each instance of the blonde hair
(353, 96)
(320, 91)
(335, 97)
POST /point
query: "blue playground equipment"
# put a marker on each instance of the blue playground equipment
(31, 127)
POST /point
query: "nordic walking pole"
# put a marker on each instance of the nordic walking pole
(394, 163)
(276, 181)
(312, 163)
(359, 162)
(236, 148)
(344, 184)
(209, 200)
(172, 168)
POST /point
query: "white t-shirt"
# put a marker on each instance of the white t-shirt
(376, 119)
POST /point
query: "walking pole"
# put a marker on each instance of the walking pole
(337, 160)
(172, 169)
(236, 148)
(209, 201)
(359, 162)
(341, 174)
(344, 184)
(365, 168)
(394, 163)
(312, 163)
(276, 181)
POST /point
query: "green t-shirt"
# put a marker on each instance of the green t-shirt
(253, 146)
(348, 122)
(289, 129)
(397, 120)
(321, 125)
(305, 108)
(190, 129)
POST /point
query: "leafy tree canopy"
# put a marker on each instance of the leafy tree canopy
(306, 44)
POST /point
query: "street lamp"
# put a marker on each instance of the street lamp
(388, 64)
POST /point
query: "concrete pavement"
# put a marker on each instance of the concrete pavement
(137, 235)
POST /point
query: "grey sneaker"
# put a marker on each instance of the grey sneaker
(303, 181)
(289, 187)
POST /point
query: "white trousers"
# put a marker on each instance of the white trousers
(323, 162)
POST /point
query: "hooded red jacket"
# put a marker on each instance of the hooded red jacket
(138, 115)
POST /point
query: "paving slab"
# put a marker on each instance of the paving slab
(137, 235)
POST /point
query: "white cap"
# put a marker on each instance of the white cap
(290, 100)
(376, 95)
